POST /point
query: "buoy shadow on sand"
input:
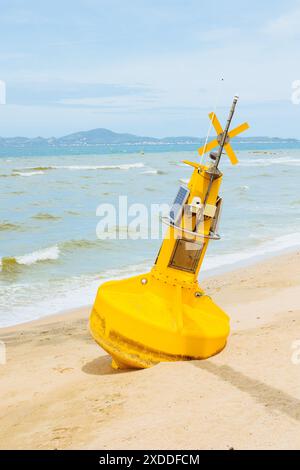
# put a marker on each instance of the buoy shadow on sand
(271, 397)
(102, 366)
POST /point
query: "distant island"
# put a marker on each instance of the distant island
(101, 136)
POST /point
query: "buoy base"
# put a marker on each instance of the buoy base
(142, 321)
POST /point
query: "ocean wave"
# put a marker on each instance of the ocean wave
(125, 271)
(17, 193)
(46, 254)
(81, 243)
(276, 245)
(72, 213)
(264, 152)
(8, 226)
(73, 292)
(27, 171)
(121, 166)
(263, 162)
(37, 168)
(265, 174)
(241, 190)
(59, 295)
(52, 253)
(153, 171)
(150, 172)
(45, 216)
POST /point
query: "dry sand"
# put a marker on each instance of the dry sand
(58, 390)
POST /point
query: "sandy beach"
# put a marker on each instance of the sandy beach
(58, 390)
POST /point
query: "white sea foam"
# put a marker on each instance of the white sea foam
(28, 173)
(276, 245)
(121, 166)
(59, 296)
(151, 171)
(81, 290)
(269, 161)
(50, 253)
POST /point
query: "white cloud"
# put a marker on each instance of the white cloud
(118, 102)
(285, 25)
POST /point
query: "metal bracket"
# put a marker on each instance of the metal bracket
(220, 137)
(167, 221)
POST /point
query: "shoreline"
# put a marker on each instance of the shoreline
(208, 274)
(58, 390)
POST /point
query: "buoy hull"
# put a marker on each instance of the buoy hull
(141, 321)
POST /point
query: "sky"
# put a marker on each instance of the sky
(148, 67)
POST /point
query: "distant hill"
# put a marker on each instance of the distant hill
(101, 136)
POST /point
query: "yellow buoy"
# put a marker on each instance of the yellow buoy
(164, 315)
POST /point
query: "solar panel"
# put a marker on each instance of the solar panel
(179, 202)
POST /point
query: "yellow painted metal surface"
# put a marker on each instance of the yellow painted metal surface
(164, 315)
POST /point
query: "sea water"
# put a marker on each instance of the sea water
(51, 258)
